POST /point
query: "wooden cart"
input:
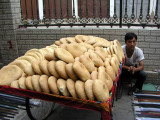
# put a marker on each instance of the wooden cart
(105, 108)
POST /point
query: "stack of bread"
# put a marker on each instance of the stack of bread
(83, 67)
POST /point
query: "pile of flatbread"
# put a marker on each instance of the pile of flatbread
(83, 67)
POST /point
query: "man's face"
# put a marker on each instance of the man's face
(130, 44)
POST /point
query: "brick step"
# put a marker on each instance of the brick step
(153, 77)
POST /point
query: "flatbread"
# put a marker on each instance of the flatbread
(100, 90)
(64, 55)
(60, 67)
(89, 89)
(43, 81)
(81, 71)
(76, 50)
(52, 69)
(61, 83)
(52, 84)
(80, 90)
(28, 83)
(9, 73)
(21, 83)
(87, 62)
(36, 67)
(35, 83)
(70, 72)
(44, 67)
(15, 84)
(71, 87)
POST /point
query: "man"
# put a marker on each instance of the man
(133, 55)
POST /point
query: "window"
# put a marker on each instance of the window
(29, 9)
(90, 12)
(35, 9)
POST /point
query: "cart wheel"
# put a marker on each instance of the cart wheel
(38, 109)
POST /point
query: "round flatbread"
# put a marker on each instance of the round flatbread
(44, 67)
(86, 45)
(36, 67)
(28, 83)
(87, 62)
(52, 83)
(9, 73)
(96, 59)
(116, 42)
(64, 55)
(111, 72)
(91, 40)
(76, 50)
(70, 72)
(71, 87)
(100, 90)
(35, 83)
(60, 67)
(50, 55)
(52, 69)
(21, 83)
(114, 66)
(81, 71)
(15, 84)
(43, 81)
(94, 75)
(80, 90)
(103, 76)
(89, 89)
(61, 84)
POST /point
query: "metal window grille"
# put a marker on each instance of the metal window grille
(90, 13)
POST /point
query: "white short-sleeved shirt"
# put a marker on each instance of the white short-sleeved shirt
(136, 56)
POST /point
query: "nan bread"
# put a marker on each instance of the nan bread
(89, 89)
(71, 87)
(100, 90)
(9, 73)
(52, 83)
(62, 86)
(64, 55)
(81, 71)
(80, 90)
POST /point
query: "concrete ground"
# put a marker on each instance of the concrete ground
(122, 110)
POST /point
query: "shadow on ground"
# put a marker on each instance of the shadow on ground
(122, 110)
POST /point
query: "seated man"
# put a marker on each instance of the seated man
(133, 54)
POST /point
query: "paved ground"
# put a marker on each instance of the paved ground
(122, 110)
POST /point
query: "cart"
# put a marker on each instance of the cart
(49, 100)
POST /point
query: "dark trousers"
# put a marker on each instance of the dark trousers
(140, 77)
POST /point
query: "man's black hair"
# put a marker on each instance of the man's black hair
(130, 36)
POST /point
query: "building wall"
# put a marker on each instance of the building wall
(23, 39)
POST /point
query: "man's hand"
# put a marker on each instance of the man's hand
(132, 69)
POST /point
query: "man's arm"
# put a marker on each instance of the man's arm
(133, 68)
(139, 68)
(126, 67)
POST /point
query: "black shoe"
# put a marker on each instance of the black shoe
(132, 90)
